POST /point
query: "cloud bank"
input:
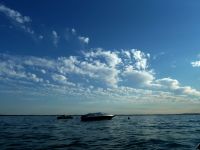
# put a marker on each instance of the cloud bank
(122, 75)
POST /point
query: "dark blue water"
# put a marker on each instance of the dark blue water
(140, 132)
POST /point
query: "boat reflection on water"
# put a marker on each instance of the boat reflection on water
(96, 117)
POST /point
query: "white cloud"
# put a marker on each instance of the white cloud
(17, 18)
(41, 37)
(83, 39)
(10, 69)
(100, 71)
(126, 53)
(73, 31)
(174, 86)
(111, 58)
(168, 83)
(72, 34)
(55, 38)
(14, 15)
(59, 78)
(195, 64)
(123, 74)
(94, 70)
(102, 65)
(43, 71)
(137, 78)
(34, 77)
(188, 91)
(141, 59)
(39, 62)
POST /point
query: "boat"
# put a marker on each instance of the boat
(198, 146)
(96, 117)
(64, 117)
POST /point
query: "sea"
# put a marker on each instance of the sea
(148, 132)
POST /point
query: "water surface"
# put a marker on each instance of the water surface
(139, 132)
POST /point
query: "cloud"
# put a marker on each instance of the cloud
(174, 86)
(34, 77)
(43, 71)
(55, 38)
(12, 70)
(71, 35)
(110, 58)
(137, 78)
(59, 78)
(158, 55)
(14, 15)
(24, 23)
(141, 59)
(41, 37)
(96, 69)
(17, 18)
(84, 40)
(73, 31)
(118, 75)
(36, 62)
(195, 64)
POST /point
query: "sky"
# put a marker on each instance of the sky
(120, 57)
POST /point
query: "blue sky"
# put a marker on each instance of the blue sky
(75, 57)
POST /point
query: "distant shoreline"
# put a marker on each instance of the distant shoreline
(115, 114)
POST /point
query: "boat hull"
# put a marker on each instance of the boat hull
(96, 118)
(64, 117)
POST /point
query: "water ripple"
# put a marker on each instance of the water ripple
(139, 132)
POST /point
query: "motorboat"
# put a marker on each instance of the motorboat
(64, 117)
(96, 117)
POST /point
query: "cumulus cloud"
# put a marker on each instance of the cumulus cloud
(168, 83)
(195, 64)
(137, 78)
(34, 77)
(109, 57)
(97, 72)
(36, 62)
(12, 70)
(141, 59)
(59, 78)
(96, 69)
(17, 18)
(84, 40)
(174, 86)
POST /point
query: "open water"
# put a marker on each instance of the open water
(150, 132)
